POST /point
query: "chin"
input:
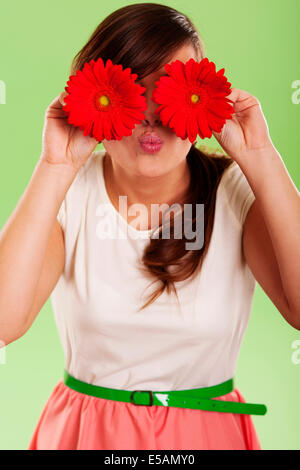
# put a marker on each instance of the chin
(151, 165)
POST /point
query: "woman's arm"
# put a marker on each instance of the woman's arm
(271, 238)
(31, 241)
(31, 233)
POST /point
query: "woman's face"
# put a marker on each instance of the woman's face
(128, 152)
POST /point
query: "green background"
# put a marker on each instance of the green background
(258, 44)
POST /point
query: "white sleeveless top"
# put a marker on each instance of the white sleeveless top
(166, 346)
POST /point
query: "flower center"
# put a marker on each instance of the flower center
(195, 98)
(104, 100)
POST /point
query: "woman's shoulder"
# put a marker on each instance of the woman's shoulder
(236, 192)
(82, 187)
(89, 168)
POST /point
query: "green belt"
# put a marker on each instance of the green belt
(174, 398)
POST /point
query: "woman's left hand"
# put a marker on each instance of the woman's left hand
(247, 131)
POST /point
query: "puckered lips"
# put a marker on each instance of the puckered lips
(150, 142)
(151, 138)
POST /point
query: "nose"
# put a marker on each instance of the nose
(151, 121)
(151, 118)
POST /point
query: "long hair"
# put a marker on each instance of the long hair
(143, 36)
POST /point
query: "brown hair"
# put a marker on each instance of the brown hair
(143, 36)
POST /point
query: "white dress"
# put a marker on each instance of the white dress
(167, 346)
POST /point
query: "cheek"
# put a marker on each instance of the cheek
(181, 146)
(175, 140)
(118, 146)
(122, 151)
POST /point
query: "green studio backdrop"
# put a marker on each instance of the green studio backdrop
(258, 43)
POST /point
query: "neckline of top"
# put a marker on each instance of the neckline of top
(101, 180)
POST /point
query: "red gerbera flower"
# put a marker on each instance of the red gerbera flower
(103, 101)
(193, 98)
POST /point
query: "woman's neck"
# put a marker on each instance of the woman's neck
(168, 189)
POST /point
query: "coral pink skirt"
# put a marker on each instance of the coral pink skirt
(73, 420)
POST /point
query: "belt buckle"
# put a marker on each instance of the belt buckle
(143, 391)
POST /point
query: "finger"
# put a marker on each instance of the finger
(238, 96)
(58, 102)
(234, 95)
(62, 95)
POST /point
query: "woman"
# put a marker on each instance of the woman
(187, 333)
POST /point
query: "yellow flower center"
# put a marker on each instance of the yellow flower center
(104, 100)
(195, 98)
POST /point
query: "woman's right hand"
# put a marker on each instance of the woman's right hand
(64, 143)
